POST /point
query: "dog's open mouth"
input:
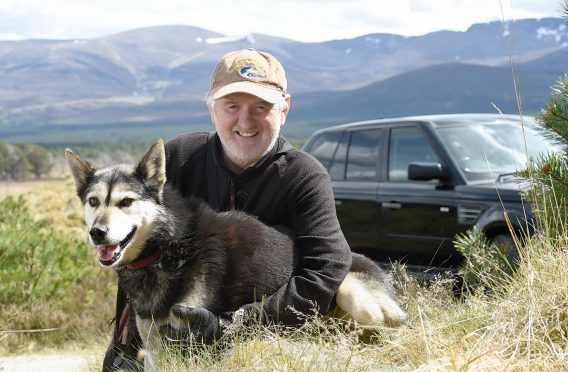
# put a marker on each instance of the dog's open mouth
(108, 254)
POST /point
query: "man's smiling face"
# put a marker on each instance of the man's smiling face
(248, 127)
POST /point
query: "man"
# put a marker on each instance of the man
(247, 165)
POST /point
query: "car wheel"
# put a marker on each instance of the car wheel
(507, 247)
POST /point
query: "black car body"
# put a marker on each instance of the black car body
(404, 187)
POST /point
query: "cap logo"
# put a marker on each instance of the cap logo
(248, 69)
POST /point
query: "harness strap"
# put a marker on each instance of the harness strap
(122, 328)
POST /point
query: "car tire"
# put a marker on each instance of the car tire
(507, 247)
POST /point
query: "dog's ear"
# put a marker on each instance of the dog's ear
(80, 170)
(152, 167)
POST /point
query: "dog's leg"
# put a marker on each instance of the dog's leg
(364, 299)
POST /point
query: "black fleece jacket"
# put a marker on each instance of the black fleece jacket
(288, 187)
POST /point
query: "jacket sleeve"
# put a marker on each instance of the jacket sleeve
(324, 255)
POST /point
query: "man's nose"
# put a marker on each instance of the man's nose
(246, 117)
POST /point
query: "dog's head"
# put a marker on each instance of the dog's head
(122, 203)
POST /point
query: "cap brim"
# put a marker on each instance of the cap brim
(264, 92)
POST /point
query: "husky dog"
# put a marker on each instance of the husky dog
(169, 250)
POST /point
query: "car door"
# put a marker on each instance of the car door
(354, 173)
(417, 219)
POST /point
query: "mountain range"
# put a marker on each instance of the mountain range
(158, 76)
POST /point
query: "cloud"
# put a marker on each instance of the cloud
(303, 20)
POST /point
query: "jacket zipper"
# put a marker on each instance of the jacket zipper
(232, 195)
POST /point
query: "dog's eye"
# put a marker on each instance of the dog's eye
(126, 202)
(93, 202)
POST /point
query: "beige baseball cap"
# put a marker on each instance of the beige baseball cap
(249, 71)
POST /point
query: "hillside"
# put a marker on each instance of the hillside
(157, 76)
(444, 88)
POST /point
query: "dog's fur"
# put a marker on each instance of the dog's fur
(219, 261)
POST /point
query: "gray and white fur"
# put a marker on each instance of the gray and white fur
(216, 260)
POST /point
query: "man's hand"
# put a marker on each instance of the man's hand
(203, 325)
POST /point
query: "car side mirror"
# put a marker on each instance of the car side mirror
(421, 171)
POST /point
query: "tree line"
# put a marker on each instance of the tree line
(24, 161)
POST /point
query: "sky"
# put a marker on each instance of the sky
(300, 20)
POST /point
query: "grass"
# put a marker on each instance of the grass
(53, 295)
(15, 188)
(508, 321)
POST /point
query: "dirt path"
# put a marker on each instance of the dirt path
(47, 363)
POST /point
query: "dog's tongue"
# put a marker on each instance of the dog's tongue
(106, 252)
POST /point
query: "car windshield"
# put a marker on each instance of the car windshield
(485, 151)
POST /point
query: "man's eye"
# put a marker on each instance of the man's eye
(126, 202)
(93, 201)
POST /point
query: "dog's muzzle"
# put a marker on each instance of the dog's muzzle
(109, 253)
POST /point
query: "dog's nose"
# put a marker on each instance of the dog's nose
(98, 234)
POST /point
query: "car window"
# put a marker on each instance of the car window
(407, 145)
(483, 151)
(324, 146)
(363, 155)
(337, 169)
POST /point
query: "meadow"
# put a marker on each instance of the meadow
(55, 298)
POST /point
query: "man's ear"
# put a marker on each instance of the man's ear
(80, 170)
(152, 167)
(211, 109)
(285, 110)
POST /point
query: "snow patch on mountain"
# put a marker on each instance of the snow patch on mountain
(373, 40)
(555, 33)
(229, 39)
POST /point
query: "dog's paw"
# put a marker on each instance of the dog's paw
(392, 314)
(368, 303)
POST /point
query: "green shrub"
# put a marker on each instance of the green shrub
(48, 279)
(37, 262)
(486, 264)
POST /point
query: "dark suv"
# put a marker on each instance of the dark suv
(404, 187)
